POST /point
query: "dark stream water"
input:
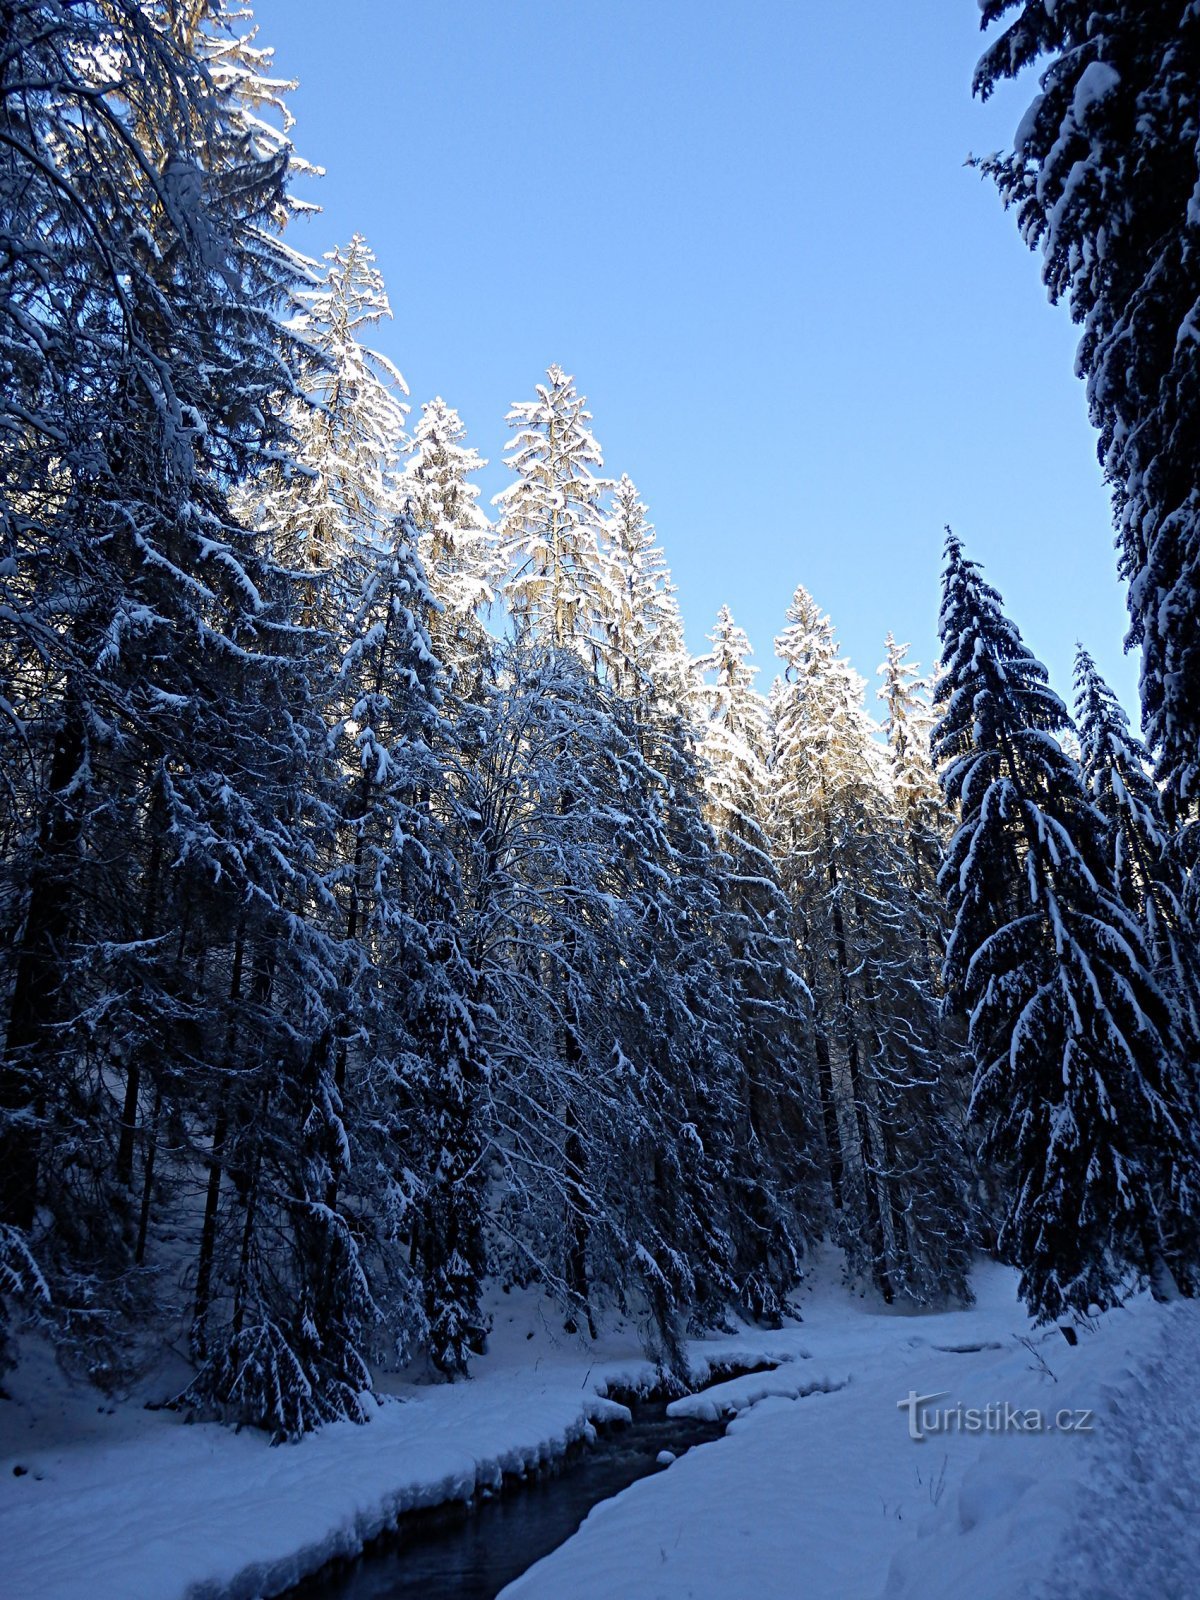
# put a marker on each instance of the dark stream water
(472, 1553)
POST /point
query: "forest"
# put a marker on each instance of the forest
(394, 910)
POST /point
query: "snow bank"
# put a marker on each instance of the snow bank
(740, 1394)
(816, 1487)
(827, 1495)
(198, 1511)
(104, 1503)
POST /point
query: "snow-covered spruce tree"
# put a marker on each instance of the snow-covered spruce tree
(390, 1084)
(148, 372)
(914, 784)
(550, 519)
(1103, 177)
(567, 595)
(702, 950)
(602, 1019)
(1146, 868)
(778, 1168)
(926, 825)
(548, 531)
(882, 1053)
(458, 543)
(532, 743)
(636, 603)
(252, 1097)
(1075, 1085)
(287, 1347)
(698, 1251)
(406, 1047)
(696, 961)
(791, 853)
(1116, 770)
(338, 491)
(734, 711)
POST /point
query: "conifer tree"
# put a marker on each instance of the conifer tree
(458, 543)
(550, 886)
(1116, 770)
(717, 942)
(914, 783)
(882, 1055)
(637, 603)
(550, 520)
(777, 1168)
(1073, 1041)
(348, 434)
(407, 1042)
(1103, 177)
(150, 371)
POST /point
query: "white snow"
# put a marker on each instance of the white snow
(827, 1497)
(142, 1507)
(118, 1503)
(1097, 80)
(816, 1489)
(741, 1394)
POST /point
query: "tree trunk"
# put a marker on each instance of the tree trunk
(148, 1181)
(39, 976)
(208, 1232)
(575, 1161)
(833, 1137)
(133, 1082)
(852, 1046)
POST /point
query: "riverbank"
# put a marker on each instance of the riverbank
(1040, 1468)
(816, 1488)
(112, 1503)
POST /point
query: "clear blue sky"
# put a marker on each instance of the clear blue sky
(806, 330)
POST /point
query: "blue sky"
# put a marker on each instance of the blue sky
(809, 334)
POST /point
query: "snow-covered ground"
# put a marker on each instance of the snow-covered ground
(827, 1497)
(816, 1490)
(120, 1503)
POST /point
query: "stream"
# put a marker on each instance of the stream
(470, 1553)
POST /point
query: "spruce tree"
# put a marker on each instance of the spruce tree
(1074, 1088)
(149, 371)
(1103, 177)
(550, 518)
(407, 1044)
(1116, 769)
(883, 1054)
(779, 1173)
(338, 490)
(540, 805)
(1144, 860)
(720, 956)
(458, 543)
(914, 783)
(637, 604)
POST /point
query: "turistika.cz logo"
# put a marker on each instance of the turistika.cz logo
(999, 1416)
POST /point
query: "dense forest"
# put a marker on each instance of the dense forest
(393, 908)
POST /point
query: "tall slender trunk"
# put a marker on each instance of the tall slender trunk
(820, 1038)
(216, 1161)
(341, 1039)
(39, 975)
(133, 1082)
(853, 1048)
(574, 1151)
(884, 1124)
(575, 1166)
(248, 1221)
(148, 1180)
